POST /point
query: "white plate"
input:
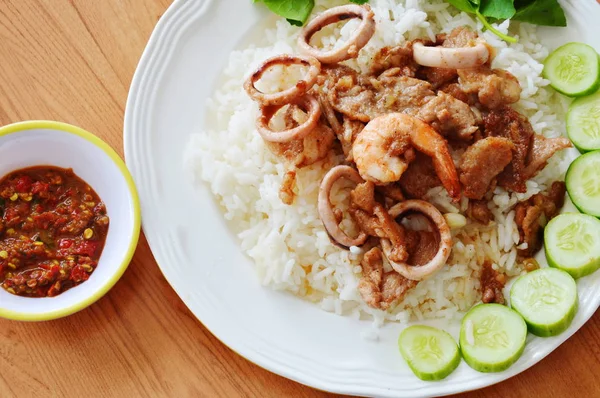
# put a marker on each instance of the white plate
(200, 257)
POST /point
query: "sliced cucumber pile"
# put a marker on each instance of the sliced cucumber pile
(547, 299)
(583, 183)
(432, 354)
(572, 243)
(583, 123)
(492, 337)
(573, 69)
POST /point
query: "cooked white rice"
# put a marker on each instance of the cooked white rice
(288, 244)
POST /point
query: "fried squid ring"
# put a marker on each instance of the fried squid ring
(290, 94)
(326, 209)
(420, 272)
(451, 58)
(309, 103)
(351, 48)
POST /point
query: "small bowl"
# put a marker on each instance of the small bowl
(46, 143)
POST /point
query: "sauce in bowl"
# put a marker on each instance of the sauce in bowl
(52, 231)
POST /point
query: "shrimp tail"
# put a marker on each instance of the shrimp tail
(446, 171)
(428, 141)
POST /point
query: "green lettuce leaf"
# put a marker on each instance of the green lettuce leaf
(465, 5)
(359, 1)
(295, 11)
(497, 9)
(540, 12)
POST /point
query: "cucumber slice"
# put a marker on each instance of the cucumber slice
(572, 243)
(573, 69)
(583, 183)
(583, 123)
(492, 337)
(432, 354)
(547, 299)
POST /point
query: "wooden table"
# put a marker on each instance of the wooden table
(73, 61)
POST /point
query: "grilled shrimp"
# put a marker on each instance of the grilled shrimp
(385, 148)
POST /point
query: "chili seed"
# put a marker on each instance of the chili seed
(90, 204)
(70, 258)
(55, 262)
(4, 254)
(14, 197)
(12, 266)
(29, 219)
(38, 243)
(27, 198)
(9, 275)
(10, 231)
(88, 233)
(57, 285)
(11, 290)
(63, 272)
(87, 267)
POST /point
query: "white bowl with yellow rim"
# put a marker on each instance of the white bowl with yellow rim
(47, 143)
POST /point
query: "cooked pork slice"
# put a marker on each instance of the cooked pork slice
(374, 220)
(362, 197)
(481, 163)
(479, 211)
(456, 91)
(541, 151)
(350, 130)
(531, 220)
(508, 123)
(494, 87)
(438, 77)
(422, 246)
(419, 177)
(532, 215)
(363, 98)
(492, 283)
(391, 191)
(381, 289)
(554, 200)
(460, 37)
(449, 116)
(308, 150)
(394, 288)
(395, 57)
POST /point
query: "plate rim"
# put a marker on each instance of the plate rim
(173, 23)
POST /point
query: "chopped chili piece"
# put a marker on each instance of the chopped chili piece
(53, 227)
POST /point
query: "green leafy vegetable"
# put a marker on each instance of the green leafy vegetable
(295, 11)
(465, 5)
(498, 9)
(540, 12)
(537, 12)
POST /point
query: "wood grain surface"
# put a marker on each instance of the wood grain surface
(73, 61)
